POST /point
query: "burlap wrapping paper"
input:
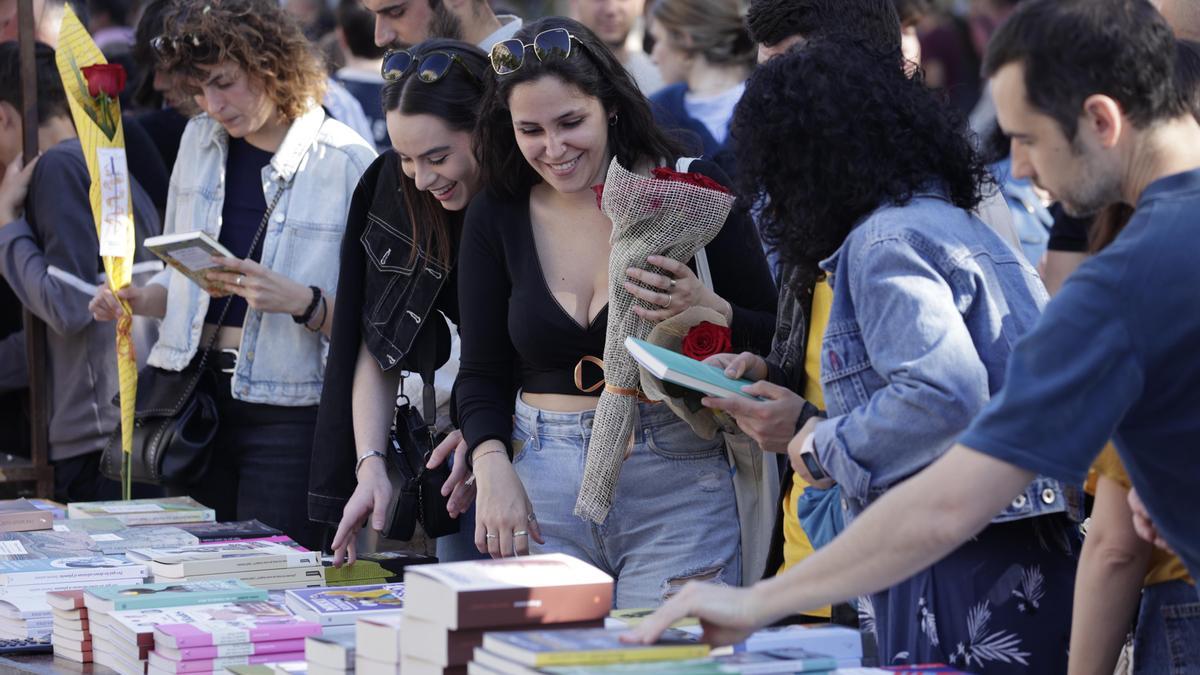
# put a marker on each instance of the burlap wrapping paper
(650, 216)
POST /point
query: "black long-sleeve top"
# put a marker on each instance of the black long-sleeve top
(515, 335)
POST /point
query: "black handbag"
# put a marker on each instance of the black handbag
(417, 490)
(175, 417)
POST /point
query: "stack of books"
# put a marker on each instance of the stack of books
(100, 536)
(25, 579)
(233, 531)
(209, 639)
(382, 567)
(25, 616)
(160, 511)
(377, 645)
(449, 608)
(531, 652)
(343, 605)
(332, 652)
(21, 515)
(844, 645)
(72, 635)
(122, 618)
(263, 564)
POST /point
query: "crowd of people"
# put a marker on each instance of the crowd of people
(955, 271)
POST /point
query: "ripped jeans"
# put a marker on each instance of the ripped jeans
(674, 516)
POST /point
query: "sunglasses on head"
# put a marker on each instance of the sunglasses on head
(431, 66)
(509, 55)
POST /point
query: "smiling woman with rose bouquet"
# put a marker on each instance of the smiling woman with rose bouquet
(270, 175)
(534, 292)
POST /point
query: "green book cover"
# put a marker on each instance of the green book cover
(684, 371)
(153, 596)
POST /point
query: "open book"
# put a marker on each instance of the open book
(685, 371)
(189, 252)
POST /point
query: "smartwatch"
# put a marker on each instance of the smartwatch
(808, 455)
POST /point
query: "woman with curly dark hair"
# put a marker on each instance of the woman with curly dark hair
(269, 175)
(869, 184)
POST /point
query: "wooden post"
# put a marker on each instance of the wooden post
(35, 329)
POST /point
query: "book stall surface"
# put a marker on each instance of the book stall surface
(151, 596)
(223, 558)
(551, 588)
(20, 515)
(342, 606)
(160, 511)
(589, 646)
(190, 253)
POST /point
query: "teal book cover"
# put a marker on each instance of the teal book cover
(684, 371)
(151, 596)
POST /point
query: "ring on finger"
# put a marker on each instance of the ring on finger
(670, 299)
(520, 533)
(238, 281)
(531, 517)
(673, 282)
(490, 536)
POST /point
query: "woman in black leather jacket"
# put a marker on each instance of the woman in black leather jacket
(397, 278)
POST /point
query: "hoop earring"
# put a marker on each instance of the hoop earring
(612, 121)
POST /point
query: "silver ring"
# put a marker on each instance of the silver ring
(670, 299)
(490, 536)
(673, 282)
(531, 517)
(238, 281)
(520, 533)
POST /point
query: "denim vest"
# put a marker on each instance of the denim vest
(317, 167)
(927, 305)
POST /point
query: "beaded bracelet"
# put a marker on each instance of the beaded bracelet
(307, 316)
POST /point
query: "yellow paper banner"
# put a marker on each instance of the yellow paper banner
(112, 205)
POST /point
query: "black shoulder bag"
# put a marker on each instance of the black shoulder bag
(175, 418)
(416, 490)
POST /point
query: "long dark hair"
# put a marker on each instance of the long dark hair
(592, 68)
(828, 133)
(450, 99)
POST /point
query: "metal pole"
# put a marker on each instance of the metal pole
(35, 329)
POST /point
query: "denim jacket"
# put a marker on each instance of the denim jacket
(927, 305)
(317, 167)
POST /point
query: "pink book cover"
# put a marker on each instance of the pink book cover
(235, 624)
(211, 665)
(222, 651)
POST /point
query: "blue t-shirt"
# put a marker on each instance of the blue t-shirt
(241, 216)
(1117, 355)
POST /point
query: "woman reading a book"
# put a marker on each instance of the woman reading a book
(269, 175)
(533, 296)
(923, 303)
(397, 274)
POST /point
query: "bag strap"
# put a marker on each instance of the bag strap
(427, 367)
(702, 271)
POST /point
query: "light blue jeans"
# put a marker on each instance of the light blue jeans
(1167, 639)
(674, 516)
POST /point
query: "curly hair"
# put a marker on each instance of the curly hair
(592, 69)
(827, 134)
(256, 35)
(873, 23)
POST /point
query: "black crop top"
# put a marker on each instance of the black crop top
(515, 335)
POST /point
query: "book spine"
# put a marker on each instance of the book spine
(67, 577)
(211, 665)
(165, 517)
(229, 565)
(497, 608)
(608, 656)
(27, 522)
(243, 649)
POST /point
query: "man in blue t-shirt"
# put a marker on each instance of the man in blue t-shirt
(1096, 120)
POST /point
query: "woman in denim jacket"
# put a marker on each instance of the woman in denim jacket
(263, 139)
(397, 279)
(875, 189)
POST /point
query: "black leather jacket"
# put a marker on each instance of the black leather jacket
(386, 298)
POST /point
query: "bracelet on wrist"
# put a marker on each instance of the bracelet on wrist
(307, 316)
(364, 457)
(473, 458)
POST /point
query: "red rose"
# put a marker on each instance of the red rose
(697, 179)
(105, 78)
(707, 339)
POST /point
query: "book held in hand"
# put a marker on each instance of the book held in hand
(685, 371)
(190, 253)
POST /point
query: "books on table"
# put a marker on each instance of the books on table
(105, 536)
(80, 569)
(552, 588)
(71, 636)
(151, 596)
(241, 529)
(433, 644)
(839, 642)
(332, 651)
(374, 568)
(190, 253)
(226, 558)
(684, 371)
(159, 511)
(20, 515)
(342, 606)
(589, 646)
(242, 622)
